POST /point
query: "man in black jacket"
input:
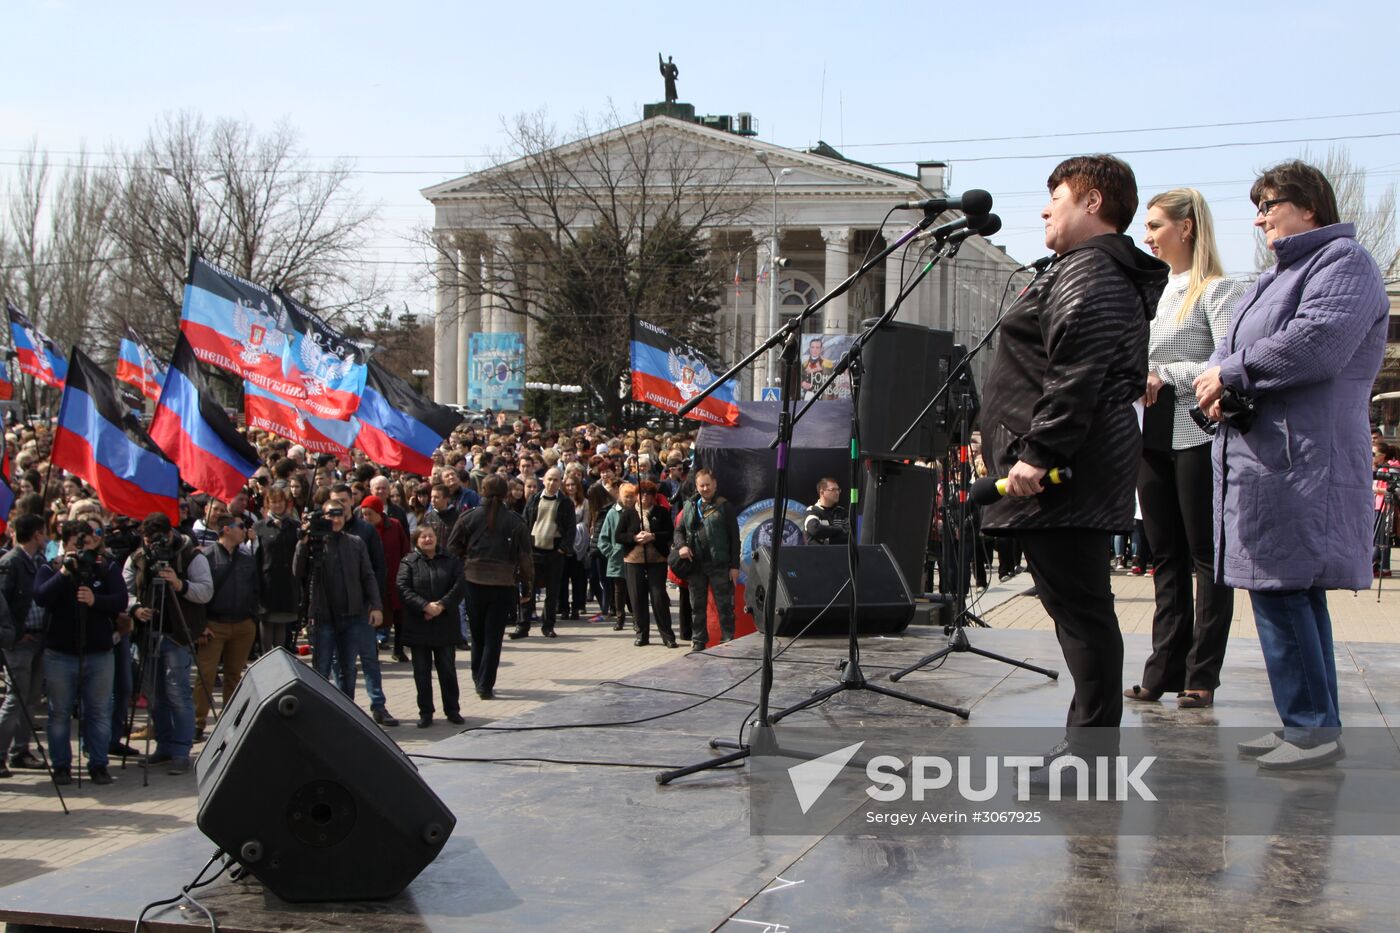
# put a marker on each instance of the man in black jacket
(83, 596)
(1071, 361)
(229, 615)
(825, 521)
(25, 656)
(345, 607)
(550, 518)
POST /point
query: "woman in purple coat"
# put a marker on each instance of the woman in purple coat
(1293, 491)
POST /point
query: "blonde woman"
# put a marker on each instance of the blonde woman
(1174, 484)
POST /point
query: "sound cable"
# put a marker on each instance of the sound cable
(184, 894)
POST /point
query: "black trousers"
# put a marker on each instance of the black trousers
(686, 613)
(646, 584)
(443, 658)
(1188, 645)
(1071, 578)
(488, 613)
(549, 571)
(575, 574)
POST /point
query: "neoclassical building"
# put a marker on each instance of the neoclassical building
(826, 211)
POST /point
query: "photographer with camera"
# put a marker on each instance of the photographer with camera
(25, 657)
(83, 595)
(229, 627)
(170, 582)
(343, 604)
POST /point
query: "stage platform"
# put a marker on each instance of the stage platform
(575, 847)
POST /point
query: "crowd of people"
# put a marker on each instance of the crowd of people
(516, 527)
(1226, 420)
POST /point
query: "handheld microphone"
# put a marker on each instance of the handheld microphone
(972, 201)
(988, 489)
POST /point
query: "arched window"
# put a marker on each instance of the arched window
(796, 292)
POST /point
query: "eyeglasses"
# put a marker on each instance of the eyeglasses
(1267, 207)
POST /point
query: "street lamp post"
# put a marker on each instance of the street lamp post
(773, 262)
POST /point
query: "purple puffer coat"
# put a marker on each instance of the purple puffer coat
(1293, 503)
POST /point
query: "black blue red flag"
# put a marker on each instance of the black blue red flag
(99, 440)
(667, 373)
(399, 428)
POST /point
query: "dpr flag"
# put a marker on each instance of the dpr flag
(237, 326)
(197, 434)
(137, 366)
(399, 428)
(36, 354)
(7, 386)
(667, 373)
(267, 412)
(330, 368)
(99, 440)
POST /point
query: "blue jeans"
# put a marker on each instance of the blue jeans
(1295, 632)
(172, 699)
(61, 675)
(337, 645)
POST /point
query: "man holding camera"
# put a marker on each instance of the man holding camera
(25, 657)
(343, 498)
(83, 596)
(229, 615)
(170, 583)
(344, 608)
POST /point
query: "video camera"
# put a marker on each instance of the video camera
(162, 553)
(82, 565)
(1386, 474)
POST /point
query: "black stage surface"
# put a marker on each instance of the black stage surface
(546, 846)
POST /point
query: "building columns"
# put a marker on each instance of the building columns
(762, 307)
(446, 328)
(836, 314)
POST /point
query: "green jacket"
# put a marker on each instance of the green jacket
(607, 543)
(713, 535)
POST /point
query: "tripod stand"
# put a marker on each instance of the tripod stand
(853, 678)
(33, 731)
(761, 738)
(955, 498)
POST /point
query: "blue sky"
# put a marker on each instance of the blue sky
(420, 89)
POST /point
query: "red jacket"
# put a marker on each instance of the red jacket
(396, 547)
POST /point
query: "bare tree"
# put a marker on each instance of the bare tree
(246, 201)
(608, 226)
(1375, 221)
(29, 261)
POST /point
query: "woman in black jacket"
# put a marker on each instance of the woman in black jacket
(645, 535)
(431, 586)
(277, 536)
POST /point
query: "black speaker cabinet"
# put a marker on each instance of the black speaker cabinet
(897, 502)
(904, 365)
(307, 793)
(810, 576)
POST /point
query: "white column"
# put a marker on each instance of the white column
(468, 310)
(762, 295)
(445, 330)
(838, 266)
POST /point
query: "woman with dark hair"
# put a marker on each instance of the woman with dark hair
(575, 573)
(430, 586)
(495, 548)
(1070, 363)
(1174, 481)
(1293, 507)
(644, 533)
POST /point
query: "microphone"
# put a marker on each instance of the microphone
(991, 224)
(972, 223)
(1040, 265)
(972, 201)
(988, 490)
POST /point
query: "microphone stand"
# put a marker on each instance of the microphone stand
(761, 737)
(957, 638)
(853, 678)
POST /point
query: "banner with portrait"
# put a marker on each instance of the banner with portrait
(820, 354)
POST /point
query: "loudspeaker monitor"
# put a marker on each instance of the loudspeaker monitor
(308, 794)
(904, 365)
(813, 595)
(897, 502)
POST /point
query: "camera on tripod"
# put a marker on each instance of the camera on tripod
(1386, 474)
(82, 565)
(160, 555)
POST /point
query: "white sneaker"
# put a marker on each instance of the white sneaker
(1290, 757)
(1260, 746)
